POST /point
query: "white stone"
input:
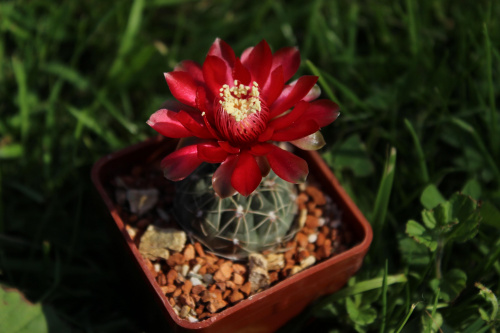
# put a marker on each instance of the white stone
(312, 238)
(184, 270)
(195, 281)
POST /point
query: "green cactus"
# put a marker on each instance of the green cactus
(236, 226)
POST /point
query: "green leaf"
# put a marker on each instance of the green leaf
(413, 252)
(362, 315)
(431, 197)
(490, 214)
(473, 189)
(432, 323)
(420, 234)
(451, 285)
(352, 155)
(488, 295)
(429, 219)
(327, 311)
(17, 315)
(454, 220)
(465, 212)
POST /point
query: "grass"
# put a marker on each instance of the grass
(420, 78)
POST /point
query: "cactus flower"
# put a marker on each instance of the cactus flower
(232, 110)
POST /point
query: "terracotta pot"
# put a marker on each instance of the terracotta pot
(269, 309)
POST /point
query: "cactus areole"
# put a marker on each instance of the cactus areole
(232, 112)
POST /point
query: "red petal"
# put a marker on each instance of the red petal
(263, 165)
(181, 163)
(240, 73)
(289, 58)
(182, 86)
(228, 147)
(222, 50)
(246, 174)
(266, 135)
(261, 149)
(289, 118)
(195, 125)
(221, 180)
(296, 131)
(291, 97)
(287, 166)
(259, 62)
(311, 95)
(245, 54)
(324, 112)
(211, 152)
(274, 86)
(165, 122)
(193, 68)
(215, 74)
(201, 100)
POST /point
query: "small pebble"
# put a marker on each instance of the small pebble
(192, 319)
(312, 238)
(177, 309)
(184, 311)
(184, 270)
(208, 278)
(196, 268)
(309, 261)
(195, 281)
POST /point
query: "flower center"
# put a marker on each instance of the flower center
(240, 101)
(242, 115)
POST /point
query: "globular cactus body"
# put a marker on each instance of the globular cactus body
(236, 226)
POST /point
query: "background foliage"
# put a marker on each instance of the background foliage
(418, 84)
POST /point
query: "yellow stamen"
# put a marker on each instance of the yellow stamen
(240, 101)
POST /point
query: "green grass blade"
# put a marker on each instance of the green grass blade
(86, 120)
(413, 306)
(412, 27)
(476, 326)
(492, 119)
(322, 82)
(2, 226)
(128, 39)
(383, 195)
(361, 287)
(11, 151)
(419, 150)
(67, 73)
(22, 96)
(116, 113)
(384, 298)
(2, 58)
(482, 148)
(348, 93)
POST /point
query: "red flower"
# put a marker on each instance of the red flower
(233, 109)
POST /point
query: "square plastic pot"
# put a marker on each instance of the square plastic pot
(269, 309)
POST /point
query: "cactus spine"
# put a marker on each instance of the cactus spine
(236, 226)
